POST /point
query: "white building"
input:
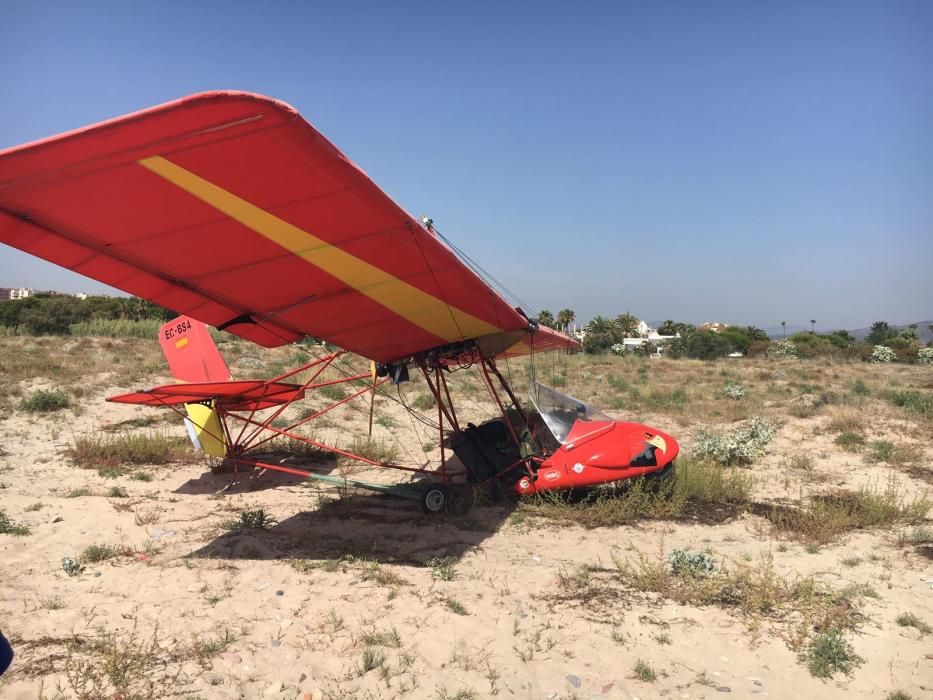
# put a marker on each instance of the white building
(16, 293)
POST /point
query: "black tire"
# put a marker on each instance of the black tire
(663, 475)
(435, 499)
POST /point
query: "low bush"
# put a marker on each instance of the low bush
(882, 354)
(684, 563)
(738, 447)
(8, 527)
(782, 349)
(733, 391)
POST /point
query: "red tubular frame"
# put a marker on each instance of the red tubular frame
(238, 448)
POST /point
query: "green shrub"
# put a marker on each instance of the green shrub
(98, 553)
(853, 442)
(45, 401)
(881, 450)
(829, 653)
(919, 402)
(644, 672)
(250, 519)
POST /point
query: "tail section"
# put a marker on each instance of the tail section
(193, 357)
(191, 353)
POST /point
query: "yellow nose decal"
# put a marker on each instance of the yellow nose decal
(658, 442)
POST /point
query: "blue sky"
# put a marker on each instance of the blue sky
(738, 161)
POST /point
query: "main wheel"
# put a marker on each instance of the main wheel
(662, 475)
(434, 499)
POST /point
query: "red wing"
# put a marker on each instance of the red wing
(230, 208)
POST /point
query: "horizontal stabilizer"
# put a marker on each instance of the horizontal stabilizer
(245, 395)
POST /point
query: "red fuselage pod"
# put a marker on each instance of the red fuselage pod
(599, 452)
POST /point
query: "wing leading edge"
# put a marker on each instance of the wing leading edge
(230, 208)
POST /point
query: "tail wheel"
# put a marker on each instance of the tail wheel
(435, 499)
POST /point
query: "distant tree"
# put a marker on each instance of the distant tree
(754, 333)
(910, 333)
(546, 318)
(880, 333)
(601, 334)
(813, 325)
(667, 328)
(627, 324)
(564, 318)
(783, 329)
(707, 345)
(840, 339)
(51, 315)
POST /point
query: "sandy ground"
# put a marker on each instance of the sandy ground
(289, 612)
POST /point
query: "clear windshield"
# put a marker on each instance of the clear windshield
(560, 411)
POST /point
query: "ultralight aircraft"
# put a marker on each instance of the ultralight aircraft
(232, 210)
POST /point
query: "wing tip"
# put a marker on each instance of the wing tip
(187, 102)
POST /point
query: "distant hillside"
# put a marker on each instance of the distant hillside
(923, 330)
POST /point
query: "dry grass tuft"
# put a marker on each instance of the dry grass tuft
(96, 450)
(825, 518)
(844, 419)
(130, 667)
(799, 609)
(702, 490)
(370, 448)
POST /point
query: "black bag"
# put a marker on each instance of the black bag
(485, 450)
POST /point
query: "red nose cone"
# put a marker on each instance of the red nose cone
(600, 452)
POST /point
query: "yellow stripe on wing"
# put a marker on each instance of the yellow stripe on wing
(420, 308)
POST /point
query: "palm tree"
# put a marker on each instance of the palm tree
(564, 318)
(813, 325)
(627, 324)
(600, 324)
(784, 328)
(546, 318)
